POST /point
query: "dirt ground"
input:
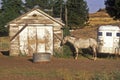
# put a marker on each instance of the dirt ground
(22, 68)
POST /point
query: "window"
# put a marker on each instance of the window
(99, 33)
(108, 34)
(118, 34)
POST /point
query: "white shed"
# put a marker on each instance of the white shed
(33, 32)
(109, 39)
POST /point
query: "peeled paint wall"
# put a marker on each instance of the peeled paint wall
(33, 40)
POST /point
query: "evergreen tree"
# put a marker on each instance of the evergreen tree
(113, 8)
(77, 13)
(32, 3)
(58, 8)
(3, 30)
(10, 10)
(45, 5)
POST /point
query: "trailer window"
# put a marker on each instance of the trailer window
(99, 33)
(108, 34)
(118, 34)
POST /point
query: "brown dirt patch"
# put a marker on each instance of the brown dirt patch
(22, 68)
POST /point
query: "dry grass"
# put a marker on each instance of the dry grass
(87, 32)
(101, 18)
(59, 74)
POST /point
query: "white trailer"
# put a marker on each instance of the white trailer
(109, 39)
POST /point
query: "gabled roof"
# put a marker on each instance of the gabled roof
(35, 16)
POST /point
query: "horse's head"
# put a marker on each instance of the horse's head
(65, 39)
(68, 39)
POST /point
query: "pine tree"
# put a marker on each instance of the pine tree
(45, 5)
(113, 8)
(10, 10)
(32, 3)
(77, 13)
(58, 8)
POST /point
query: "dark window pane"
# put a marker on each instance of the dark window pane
(118, 34)
(99, 33)
(108, 34)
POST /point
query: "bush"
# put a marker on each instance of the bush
(65, 52)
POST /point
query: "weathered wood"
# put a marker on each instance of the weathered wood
(58, 37)
(18, 32)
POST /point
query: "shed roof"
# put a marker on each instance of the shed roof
(35, 16)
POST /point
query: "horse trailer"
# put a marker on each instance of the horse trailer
(108, 38)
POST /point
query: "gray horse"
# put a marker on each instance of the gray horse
(82, 43)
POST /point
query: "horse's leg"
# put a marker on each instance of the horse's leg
(76, 56)
(94, 53)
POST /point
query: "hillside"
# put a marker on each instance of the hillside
(101, 17)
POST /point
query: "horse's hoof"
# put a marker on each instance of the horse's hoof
(75, 58)
(95, 59)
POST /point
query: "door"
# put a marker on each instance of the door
(31, 40)
(116, 44)
(108, 42)
(108, 39)
(36, 39)
(45, 39)
(40, 39)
